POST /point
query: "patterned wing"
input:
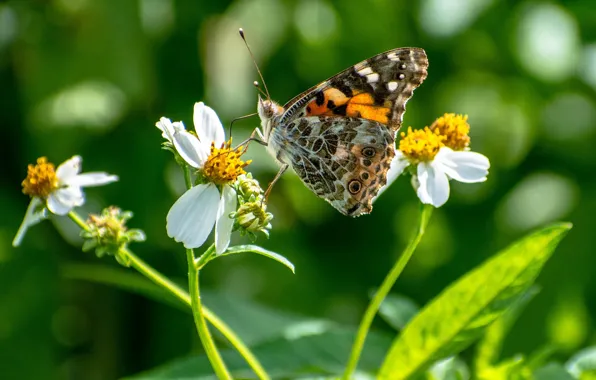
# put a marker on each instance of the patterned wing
(342, 160)
(376, 89)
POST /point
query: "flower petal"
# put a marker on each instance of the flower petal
(224, 224)
(33, 216)
(208, 126)
(434, 184)
(61, 201)
(396, 168)
(191, 218)
(190, 149)
(467, 167)
(69, 169)
(92, 179)
(168, 128)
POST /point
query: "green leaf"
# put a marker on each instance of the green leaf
(261, 251)
(397, 310)
(451, 368)
(552, 371)
(489, 347)
(583, 364)
(461, 312)
(322, 354)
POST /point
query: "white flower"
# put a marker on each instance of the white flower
(69, 193)
(59, 191)
(193, 215)
(432, 177)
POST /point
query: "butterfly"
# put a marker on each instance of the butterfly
(339, 136)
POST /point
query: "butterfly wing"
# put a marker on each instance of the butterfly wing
(376, 89)
(342, 160)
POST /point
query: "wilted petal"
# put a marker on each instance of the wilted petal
(224, 224)
(168, 128)
(191, 218)
(61, 201)
(92, 179)
(33, 216)
(208, 126)
(69, 169)
(468, 167)
(190, 149)
(434, 184)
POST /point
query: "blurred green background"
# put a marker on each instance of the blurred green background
(92, 78)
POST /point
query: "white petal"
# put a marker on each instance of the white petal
(398, 165)
(208, 126)
(33, 216)
(168, 128)
(92, 179)
(396, 168)
(61, 201)
(191, 218)
(434, 184)
(190, 149)
(69, 169)
(468, 167)
(224, 224)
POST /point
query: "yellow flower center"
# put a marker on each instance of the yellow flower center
(420, 145)
(455, 128)
(41, 179)
(224, 164)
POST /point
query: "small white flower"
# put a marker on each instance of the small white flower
(435, 164)
(69, 193)
(199, 209)
(57, 190)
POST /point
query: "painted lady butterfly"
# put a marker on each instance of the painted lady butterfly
(339, 136)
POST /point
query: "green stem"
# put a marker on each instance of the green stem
(164, 282)
(197, 311)
(382, 292)
(187, 178)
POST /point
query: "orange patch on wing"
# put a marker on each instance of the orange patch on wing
(369, 112)
(331, 94)
(362, 98)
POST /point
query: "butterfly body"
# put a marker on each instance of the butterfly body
(339, 135)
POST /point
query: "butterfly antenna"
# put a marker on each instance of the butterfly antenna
(256, 84)
(255, 62)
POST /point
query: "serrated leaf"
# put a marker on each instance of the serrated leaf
(459, 315)
(397, 310)
(489, 347)
(552, 371)
(258, 250)
(308, 356)
(583, 363)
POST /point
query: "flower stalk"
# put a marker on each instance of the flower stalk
(197, 311)
(159, 279)
(384, 289)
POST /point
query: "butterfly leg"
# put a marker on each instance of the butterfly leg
(281, 171)
(252, 137)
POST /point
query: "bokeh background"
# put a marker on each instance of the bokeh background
(92, 78)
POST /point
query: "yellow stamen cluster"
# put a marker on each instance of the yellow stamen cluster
(224, 164)
(420, 145)
(41, 179)
(455, 128)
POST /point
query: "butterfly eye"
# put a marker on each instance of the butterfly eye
(354, 186)
(369, 152)
(364, 175)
